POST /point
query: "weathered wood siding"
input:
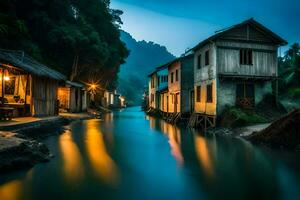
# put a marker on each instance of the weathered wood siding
(44, 96)
(264, 59)
(75, 100)
(202, 77)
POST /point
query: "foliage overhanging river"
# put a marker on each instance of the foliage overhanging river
(131, 156)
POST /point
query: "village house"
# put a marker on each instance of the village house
(72, 97)
(153, 98)
(234, 67)
(162, 88)
(180, 86)
(27, 88)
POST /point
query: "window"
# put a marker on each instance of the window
(199, 61)
(176, 75)
(172, 77)
(198, 94)
(209, 96)
(246, 57)
(9, 86)
(158, 81)
(207, 57)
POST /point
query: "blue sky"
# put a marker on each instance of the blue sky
(180, 24)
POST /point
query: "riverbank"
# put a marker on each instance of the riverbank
(19, 146)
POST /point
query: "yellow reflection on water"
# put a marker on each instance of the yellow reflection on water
(204, 155)
(101, 162)
(72, 160)
(174, 136)
(11, 190)
(152, 122)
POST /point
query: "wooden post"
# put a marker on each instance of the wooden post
(25, 98)
(2, 86)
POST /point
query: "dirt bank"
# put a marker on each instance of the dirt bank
(284, 133)
(19, 147)
(18, 153)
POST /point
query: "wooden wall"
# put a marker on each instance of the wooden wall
(75, 99)
(44, 96)
(264, 59)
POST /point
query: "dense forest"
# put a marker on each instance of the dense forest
(144, 57)
(80, 38)
(289, 75)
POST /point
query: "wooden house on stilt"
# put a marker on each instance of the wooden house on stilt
(235, 67)
(27, 87)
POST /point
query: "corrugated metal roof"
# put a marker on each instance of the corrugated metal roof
(19, 60)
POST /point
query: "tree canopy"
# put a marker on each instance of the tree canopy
(80, 38)
(289, 72)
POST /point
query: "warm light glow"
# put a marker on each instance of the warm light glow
(6, 78)
(72, 160)
(93, 86)
(11, 190)
(203, 155)
(102, 164)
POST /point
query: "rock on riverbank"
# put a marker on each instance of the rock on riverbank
(18, 153)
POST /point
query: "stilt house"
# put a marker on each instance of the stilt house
(235, 67)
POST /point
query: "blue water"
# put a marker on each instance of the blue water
(128, 155)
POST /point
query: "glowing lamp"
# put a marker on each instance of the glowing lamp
(93, 86)
(6, 78)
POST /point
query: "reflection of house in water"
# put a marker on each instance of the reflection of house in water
(205, 155)
(173, 134)
(101, 162)
(72, 161)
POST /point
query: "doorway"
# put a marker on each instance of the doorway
(245, 95)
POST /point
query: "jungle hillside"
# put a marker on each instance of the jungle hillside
(79, 38)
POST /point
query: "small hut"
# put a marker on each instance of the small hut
(27, 86)
(72, 97)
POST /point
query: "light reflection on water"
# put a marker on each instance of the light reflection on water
(73, 168)
(204, 155)
(102, 164)
(129, 155)
(11, 190)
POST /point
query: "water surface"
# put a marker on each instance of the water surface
(128, 155)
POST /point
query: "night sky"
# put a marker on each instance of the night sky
(180, 24)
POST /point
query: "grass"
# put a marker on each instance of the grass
(235, 117)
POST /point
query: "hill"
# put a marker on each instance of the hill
(144, 57)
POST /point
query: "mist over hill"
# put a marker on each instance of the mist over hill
(144, 57)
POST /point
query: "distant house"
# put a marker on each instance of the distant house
(27, 86)
(235, 67)
(153, 98)
(72, 97)
(180, 85)
(162, 88)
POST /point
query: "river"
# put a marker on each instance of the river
(128, 155)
